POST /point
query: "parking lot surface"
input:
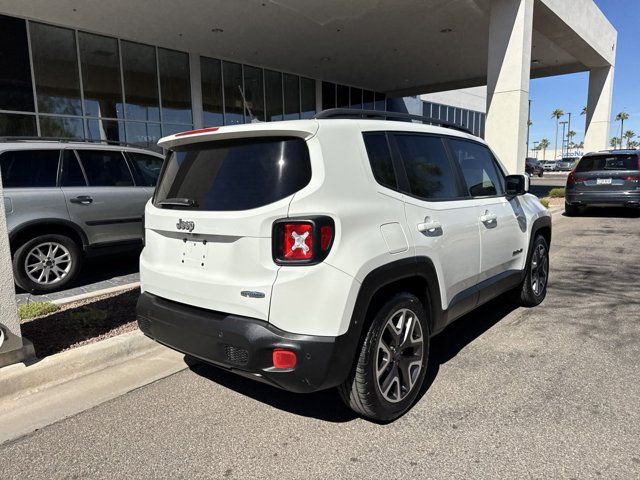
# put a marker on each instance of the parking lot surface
(548, 392)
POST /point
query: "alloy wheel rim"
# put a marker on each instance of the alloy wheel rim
(399, 355)
(48, 263)
(539, 270)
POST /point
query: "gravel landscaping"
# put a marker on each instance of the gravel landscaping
(82, 322)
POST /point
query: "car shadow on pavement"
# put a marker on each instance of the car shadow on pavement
(611, 212)
(326, 405)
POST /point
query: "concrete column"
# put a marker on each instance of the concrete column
(196, 89)
(508, 71)
(13, 348)
(599, 109)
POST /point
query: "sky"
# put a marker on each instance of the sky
(569, 92)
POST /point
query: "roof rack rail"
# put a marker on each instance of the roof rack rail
(385, 115)
(67, 140)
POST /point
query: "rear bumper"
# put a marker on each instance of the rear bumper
(628, 198)
(245, 345)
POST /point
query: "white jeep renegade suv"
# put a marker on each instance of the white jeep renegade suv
(324, 253)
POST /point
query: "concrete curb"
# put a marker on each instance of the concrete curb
(23, 379)
(97, 293)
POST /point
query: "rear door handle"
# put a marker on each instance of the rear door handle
(82, 199)
(430, 226)
(488, 218)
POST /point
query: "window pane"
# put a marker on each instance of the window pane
(72, 175)
(356, 97)
(61, 127)
(99, 129)
(146, 168)
(143, 134)
(140, 81)
(328, 95)
(380, 99)
(273, 89)
(380, 159)
(253, 92)
(100, 64)
(211, 74)
(343, 96)
(105, 169)
(237, 174)
(16, 91)
(478, 168)
(168, 129)
(29, 168)
(175, 86)
(367, 100)
(14, 125)
(233, 106)
(428, 169)
(307, 97)
(291, 97)
(55, 65)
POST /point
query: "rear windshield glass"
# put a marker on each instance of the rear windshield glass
(608, 162)
(233, 175)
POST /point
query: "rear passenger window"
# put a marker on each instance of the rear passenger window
(146, 168)
(29, 168)
(380, 159)
(72, 175)
(429, 171)
(105, 168)
(478, 168)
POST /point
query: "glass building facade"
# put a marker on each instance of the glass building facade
(469, 119)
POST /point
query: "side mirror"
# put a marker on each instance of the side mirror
(516, 185)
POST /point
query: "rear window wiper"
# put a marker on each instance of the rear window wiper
(177, 202)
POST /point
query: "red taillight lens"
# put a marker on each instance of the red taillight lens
(298, 241)
(304, 241)
(200, 130)
(284, 359)
(326, 236)
(572, 180)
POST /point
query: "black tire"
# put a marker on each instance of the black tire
(571, 210)
(530, 294)
(361, 391)
(24, 281)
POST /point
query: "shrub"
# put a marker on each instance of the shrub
(36, 309)
(556, 193)
(544, 202)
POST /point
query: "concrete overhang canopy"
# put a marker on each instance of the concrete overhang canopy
(398, 47)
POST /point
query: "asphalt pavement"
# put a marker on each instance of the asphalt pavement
(547, 392)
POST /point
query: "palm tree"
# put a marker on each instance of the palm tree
(557, 113)
(584, 110)
(629, 134)
(614, 142)
(570, 135)
(544, 144)
(621, 117)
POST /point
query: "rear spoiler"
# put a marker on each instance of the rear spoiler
(297, 128)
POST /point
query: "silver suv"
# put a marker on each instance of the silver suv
(65, 200)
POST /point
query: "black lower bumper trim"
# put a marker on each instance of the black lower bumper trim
(245, 345)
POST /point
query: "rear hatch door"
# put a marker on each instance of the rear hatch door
(208, 228)
(607, 173)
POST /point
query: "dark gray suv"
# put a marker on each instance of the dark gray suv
(610, 178)
(65, 200)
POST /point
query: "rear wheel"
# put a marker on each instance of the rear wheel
(533, 289)
(46, 263)
(571, 210)
(392, 361)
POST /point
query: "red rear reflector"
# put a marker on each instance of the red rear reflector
(284, 359)
(200, 130)
(326, 235)
(297, 241)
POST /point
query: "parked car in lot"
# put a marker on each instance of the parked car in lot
(533, 167)
(565, 165)
(610, 178)
(549, 165)
(65, 200)
(324, 253)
